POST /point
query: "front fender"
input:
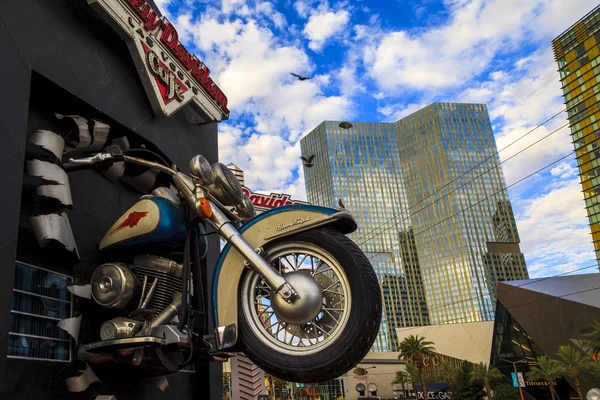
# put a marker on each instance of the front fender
(268, 226)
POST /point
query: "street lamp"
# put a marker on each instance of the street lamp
(514, 364)
(367, 376)
(360, 371)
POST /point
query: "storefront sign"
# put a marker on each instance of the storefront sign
(427, 361)
(518, 380)
(172, 76)
(263, 202)
(435, 395)
(538, 383)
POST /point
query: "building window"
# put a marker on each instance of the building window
(40, 299)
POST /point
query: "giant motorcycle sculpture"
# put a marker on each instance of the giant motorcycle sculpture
(290, 290)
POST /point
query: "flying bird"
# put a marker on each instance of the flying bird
(308, 162)
(300, 78)
(341, 204)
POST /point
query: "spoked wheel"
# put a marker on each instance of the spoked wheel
(332, 324)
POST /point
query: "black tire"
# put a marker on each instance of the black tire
(356, 338)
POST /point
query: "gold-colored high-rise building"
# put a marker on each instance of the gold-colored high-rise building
(428, 195)
(577, 52)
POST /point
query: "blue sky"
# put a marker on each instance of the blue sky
(382, 60)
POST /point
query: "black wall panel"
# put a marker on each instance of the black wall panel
(66, 43)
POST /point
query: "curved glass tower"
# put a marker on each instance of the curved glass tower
(426, 193)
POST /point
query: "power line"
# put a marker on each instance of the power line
(465, 184)
(529, 282)
(493, 155)
(528, 96)
(480, 201)
(460, 176)
(447, 194)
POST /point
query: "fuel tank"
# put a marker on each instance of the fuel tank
(155, 220)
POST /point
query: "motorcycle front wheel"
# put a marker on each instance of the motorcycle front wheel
(331, 327)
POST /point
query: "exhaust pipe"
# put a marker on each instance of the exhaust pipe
(168, 313)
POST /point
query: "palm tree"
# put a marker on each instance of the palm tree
(592, 339)
(447, 372)
(573, 362)
(485, 374)
(269, 378)
(547, 370)
(402, 378)
(413, 372)
(414, 348)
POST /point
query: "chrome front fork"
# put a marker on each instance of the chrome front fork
(194, 193)
(233, 236)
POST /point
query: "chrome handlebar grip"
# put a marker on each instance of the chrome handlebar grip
(150, 164)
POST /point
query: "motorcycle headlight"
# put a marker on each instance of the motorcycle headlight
(201, 169)
(226, 188)
(246, 208)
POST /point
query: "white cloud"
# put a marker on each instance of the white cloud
(554, 233)
(395, 112)
(456, 52)
(253, 68)
(322, 27)
(229, 6)
(302, 8)
(564, 170)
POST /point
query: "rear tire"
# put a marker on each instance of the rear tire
(357, 323)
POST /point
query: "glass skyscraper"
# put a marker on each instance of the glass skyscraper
(577, 52)
(425, 191)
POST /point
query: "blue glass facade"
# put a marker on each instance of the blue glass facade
(425, 202)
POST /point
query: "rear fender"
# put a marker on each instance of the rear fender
(262, 229)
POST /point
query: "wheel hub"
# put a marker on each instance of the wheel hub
(307, 304)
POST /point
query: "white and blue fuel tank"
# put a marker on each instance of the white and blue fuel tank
(156, 221)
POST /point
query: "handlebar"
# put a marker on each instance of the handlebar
(99, 161)
(113, 154)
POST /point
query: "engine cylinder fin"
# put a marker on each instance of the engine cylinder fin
(167, 283)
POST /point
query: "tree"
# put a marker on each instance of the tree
(485, 374)
(413, 372)
(274, 383)
(504, 391)
(547, 370)
(270, 381)
(573, 363)
(402, 378)
(464, 389)
(591, 339)
(447, 372)
(414, 348)
(226, 384)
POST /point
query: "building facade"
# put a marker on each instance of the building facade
(526, 310)
(68, 71)
(424, 191)
(503, 260)
(577, 52)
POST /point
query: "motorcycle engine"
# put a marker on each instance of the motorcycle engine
(152, 284)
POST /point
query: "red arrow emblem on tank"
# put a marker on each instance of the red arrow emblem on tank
(131, 220)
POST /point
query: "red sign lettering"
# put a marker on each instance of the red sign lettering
(272, 200)
(170, 38)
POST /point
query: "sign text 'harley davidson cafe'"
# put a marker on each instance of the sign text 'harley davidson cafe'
(264, 202)
(172, 76)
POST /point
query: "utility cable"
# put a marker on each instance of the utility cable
(528, 282)
(493, 155)
(480, 201)
(460, 176)
(466, 183)
(406, 218)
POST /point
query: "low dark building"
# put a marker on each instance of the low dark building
(72, 69)
(536, 316)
